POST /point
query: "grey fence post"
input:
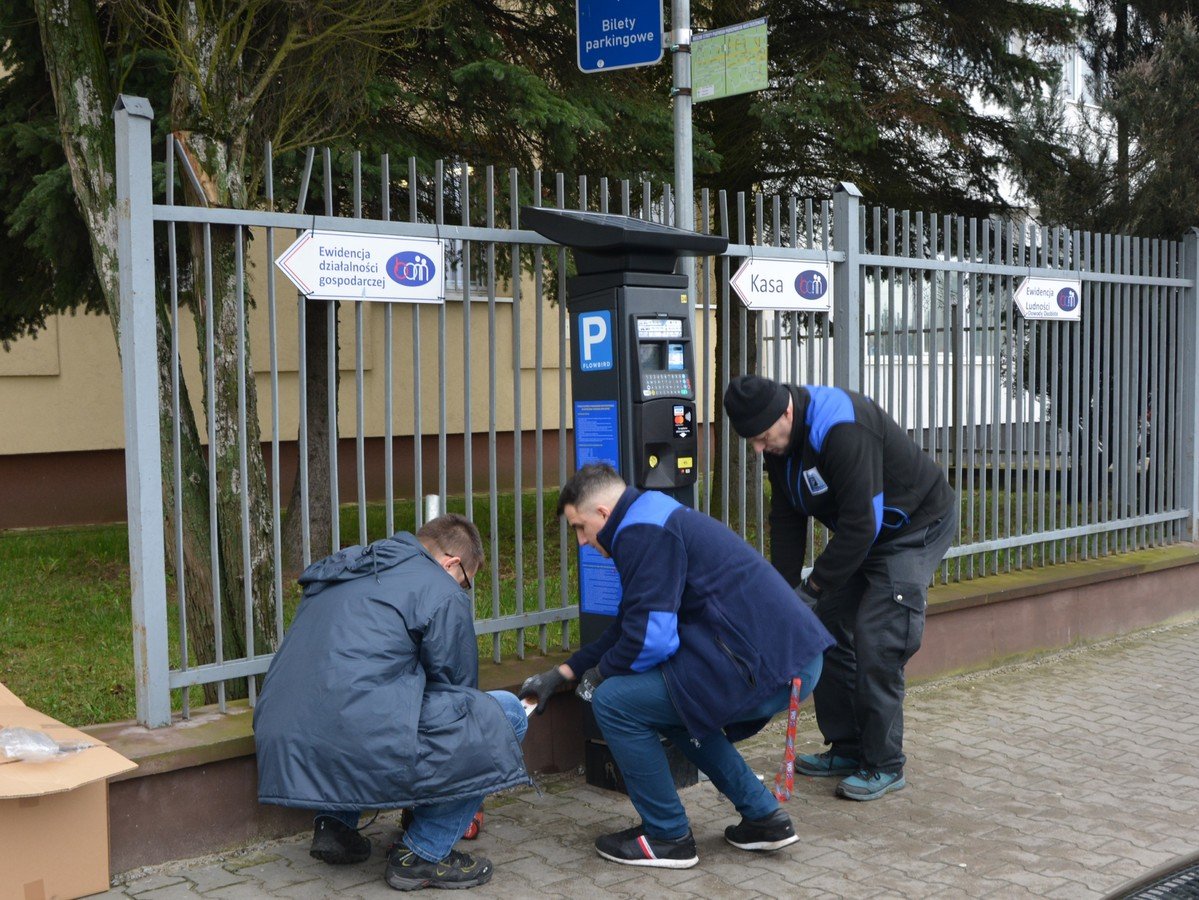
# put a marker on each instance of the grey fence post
(139, 378)
(1189, 339)
(847, 307)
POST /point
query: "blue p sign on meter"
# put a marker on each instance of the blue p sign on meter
(618, 34)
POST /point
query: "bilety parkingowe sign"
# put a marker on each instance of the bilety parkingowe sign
(343, 265)
(618, 34)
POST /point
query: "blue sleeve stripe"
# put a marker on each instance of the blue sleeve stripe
(828, 407)
(661, 640)
(795, 492)
(878, 513)
(651, 508)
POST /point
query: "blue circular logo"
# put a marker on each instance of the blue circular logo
(1067, 299)
(410, 268)
(810, 284)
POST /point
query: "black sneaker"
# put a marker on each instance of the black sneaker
(408, 872)
(634, 847)
(771, 833)
(336, 843)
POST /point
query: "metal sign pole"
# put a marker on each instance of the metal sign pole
(684, 175)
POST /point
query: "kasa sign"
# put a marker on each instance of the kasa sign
(785, 284)
(1050, 299)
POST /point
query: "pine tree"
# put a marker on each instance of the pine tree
(1157, 97)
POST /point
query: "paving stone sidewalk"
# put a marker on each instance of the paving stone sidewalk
(1064, 777)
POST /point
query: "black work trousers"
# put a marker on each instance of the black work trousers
(877, 619)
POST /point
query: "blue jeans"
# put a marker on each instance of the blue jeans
(633, 710)
(436, 828)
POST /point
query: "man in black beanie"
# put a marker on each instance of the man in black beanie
(836, 456)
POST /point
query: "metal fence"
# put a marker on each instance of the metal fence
(1065, 440)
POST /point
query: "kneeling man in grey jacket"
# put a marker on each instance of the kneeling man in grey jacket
(372, 702)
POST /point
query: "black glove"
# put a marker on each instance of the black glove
(806, 595)
(588, 683)
(542, 687)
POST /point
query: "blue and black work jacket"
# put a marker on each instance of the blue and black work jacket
(705, 606)
(850, 466)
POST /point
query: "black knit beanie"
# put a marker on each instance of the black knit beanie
(754, 404)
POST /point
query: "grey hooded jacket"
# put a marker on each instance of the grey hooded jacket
(372, 699)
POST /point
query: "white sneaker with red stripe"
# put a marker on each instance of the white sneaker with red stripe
(633, 847)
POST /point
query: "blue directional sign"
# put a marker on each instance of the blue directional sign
(618, 34)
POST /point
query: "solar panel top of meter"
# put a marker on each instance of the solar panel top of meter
(607, 232)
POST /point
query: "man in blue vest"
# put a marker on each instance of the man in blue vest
(836, 456)
(705, 648)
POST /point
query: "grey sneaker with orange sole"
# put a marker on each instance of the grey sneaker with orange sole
(408, 872)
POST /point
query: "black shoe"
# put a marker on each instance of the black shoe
(634, 847)
(771, 833)
(336, 843)
(408, 872)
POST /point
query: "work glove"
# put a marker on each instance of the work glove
(542, 687)
(588, 683)
(806, 595)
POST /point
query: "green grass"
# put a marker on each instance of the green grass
(66, 629)
(66, 636)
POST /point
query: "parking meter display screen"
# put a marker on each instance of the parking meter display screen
(674, 357)
(659, 328)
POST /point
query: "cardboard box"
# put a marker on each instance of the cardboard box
(8, 698)
(54, 815)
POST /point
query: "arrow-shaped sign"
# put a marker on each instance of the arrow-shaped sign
(771, 283)
(345, 265)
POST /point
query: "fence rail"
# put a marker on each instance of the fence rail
(1064, 440)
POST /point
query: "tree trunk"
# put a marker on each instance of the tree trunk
(316, 387)
(193, 488)
(739, 454)
(83, 98)
(218, 299)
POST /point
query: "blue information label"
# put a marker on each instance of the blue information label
(618, 34)
(599, 583)
(597, 439)
(597, 433)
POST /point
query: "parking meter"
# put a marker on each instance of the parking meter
(632, 385)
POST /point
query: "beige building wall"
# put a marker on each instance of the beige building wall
(61, 391)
